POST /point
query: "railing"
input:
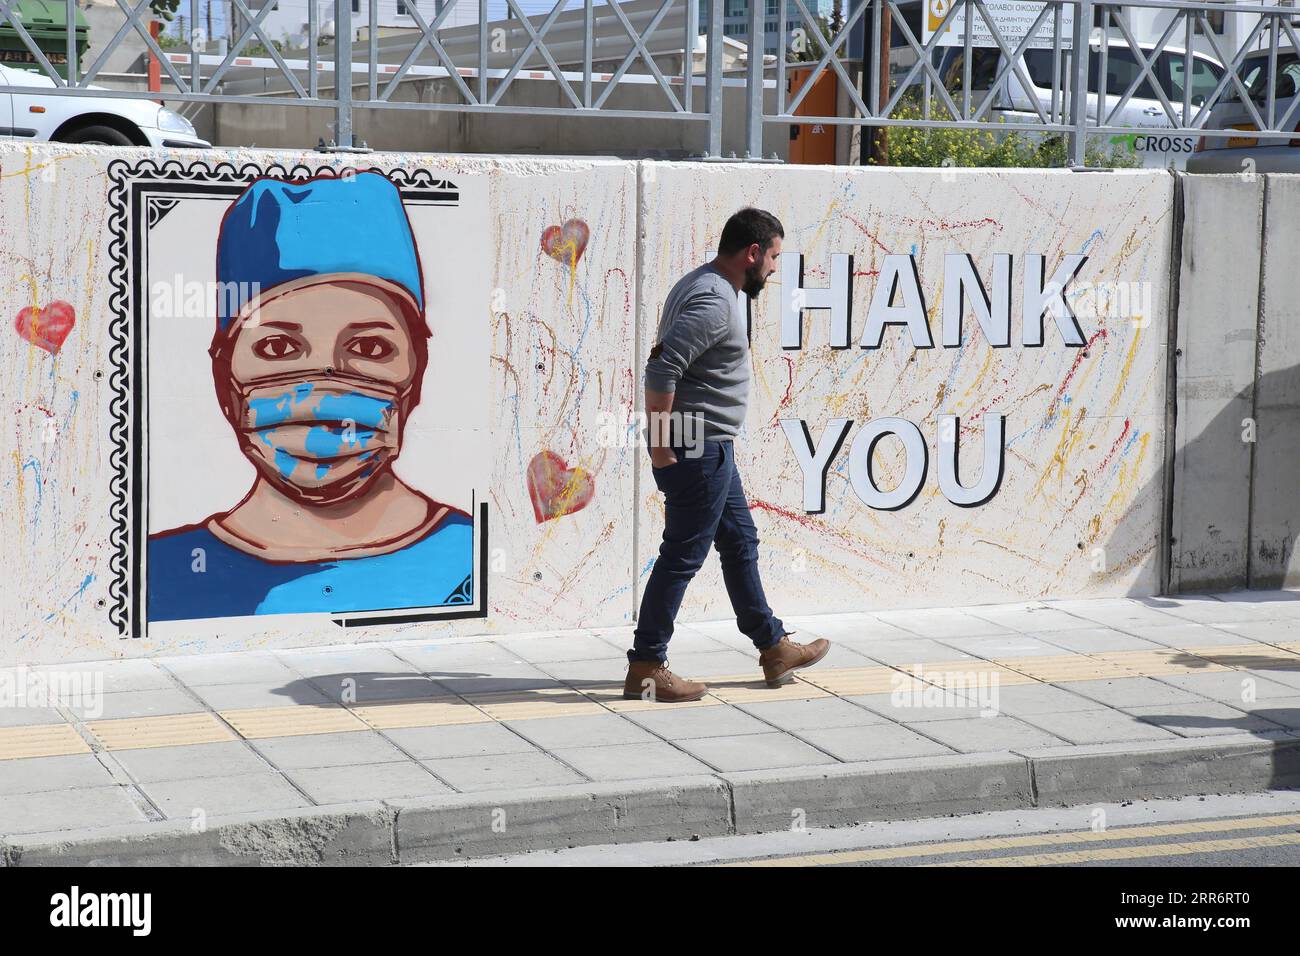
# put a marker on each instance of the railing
(483, 60)
(1077, 117)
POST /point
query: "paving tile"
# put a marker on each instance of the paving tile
(710, 637)
(997, 646)
(1228, 686)
(677, 723)
(503, 678)
(466, 740)
(1131, 692)
(29, 716)
(1096, 727)
(270, 694)
(110, 677)
(247, 667)
(141, 703)
(554, 733)
(697, 666)
(1097, 640)
(904, 708)
(582, 674)
(1188, 635)
(1123, 614)
(1204, 610)
(631, 761)
(939, 623)
(345, 662)
(382, 781)
(63, 772)
(1267, 631)
(452, 659)
(1284, 711)
(489, 773)
(1204, 719)
(1040, 699)
(67, 810)
(754, 752)
(1036, 618)
(575, 647)
(169, 730)
(873, 742)
(823, 713)
(905, 653)
(327, 750)
(218, 796)
(40, 740)
(846, 628)
(191, 762)
(985, 734)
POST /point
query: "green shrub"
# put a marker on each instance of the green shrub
(1000, 144)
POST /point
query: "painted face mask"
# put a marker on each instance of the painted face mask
(322, 439)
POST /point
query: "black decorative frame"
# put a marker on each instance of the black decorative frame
(140, 194)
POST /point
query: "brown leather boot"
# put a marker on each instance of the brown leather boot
(783, 658)
(663, 685)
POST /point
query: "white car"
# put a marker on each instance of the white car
(1014, 103)
(27, 113)
(1263, 154)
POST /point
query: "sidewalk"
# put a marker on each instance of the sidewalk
(409, 751)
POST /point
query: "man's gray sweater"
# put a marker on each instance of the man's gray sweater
(702, 353)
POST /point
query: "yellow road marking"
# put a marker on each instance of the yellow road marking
(1017, 842)
(1135, 852)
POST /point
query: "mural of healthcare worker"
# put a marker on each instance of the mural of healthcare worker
(320, 348)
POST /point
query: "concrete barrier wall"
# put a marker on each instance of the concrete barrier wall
(1235, 510)
(1275, 481)
(1078, 508)
(1218, 314)
(542, 281)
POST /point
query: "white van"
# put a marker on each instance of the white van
(1013, 102)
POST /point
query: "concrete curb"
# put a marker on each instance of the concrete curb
(499, 822)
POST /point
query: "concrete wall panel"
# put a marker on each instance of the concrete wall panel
(1217, 317)
(1078, 510)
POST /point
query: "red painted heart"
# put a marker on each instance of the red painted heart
(47, 327)
(557, 489)
(566, 243)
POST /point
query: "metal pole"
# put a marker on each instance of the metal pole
(587, 48)
(754, 82)
(343, 73)
(714, 67)
(1079, 88)
(70, 68)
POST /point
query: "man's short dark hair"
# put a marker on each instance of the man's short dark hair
(747, 227)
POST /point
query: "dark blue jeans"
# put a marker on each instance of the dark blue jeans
(704, 505)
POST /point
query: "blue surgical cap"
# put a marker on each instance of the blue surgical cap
(278, 231)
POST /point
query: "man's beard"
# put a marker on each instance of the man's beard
(754, 281)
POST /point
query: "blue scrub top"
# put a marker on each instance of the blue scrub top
(435, 571)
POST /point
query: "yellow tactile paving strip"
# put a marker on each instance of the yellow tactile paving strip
(171, 731)
(1151, 831)
(586, 699)
(40, 740)
(260, 722)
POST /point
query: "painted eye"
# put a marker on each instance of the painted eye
(277, 347)
(370, 347)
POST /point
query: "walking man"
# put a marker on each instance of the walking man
(696, 395)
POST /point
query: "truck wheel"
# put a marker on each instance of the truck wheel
(97, 136)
